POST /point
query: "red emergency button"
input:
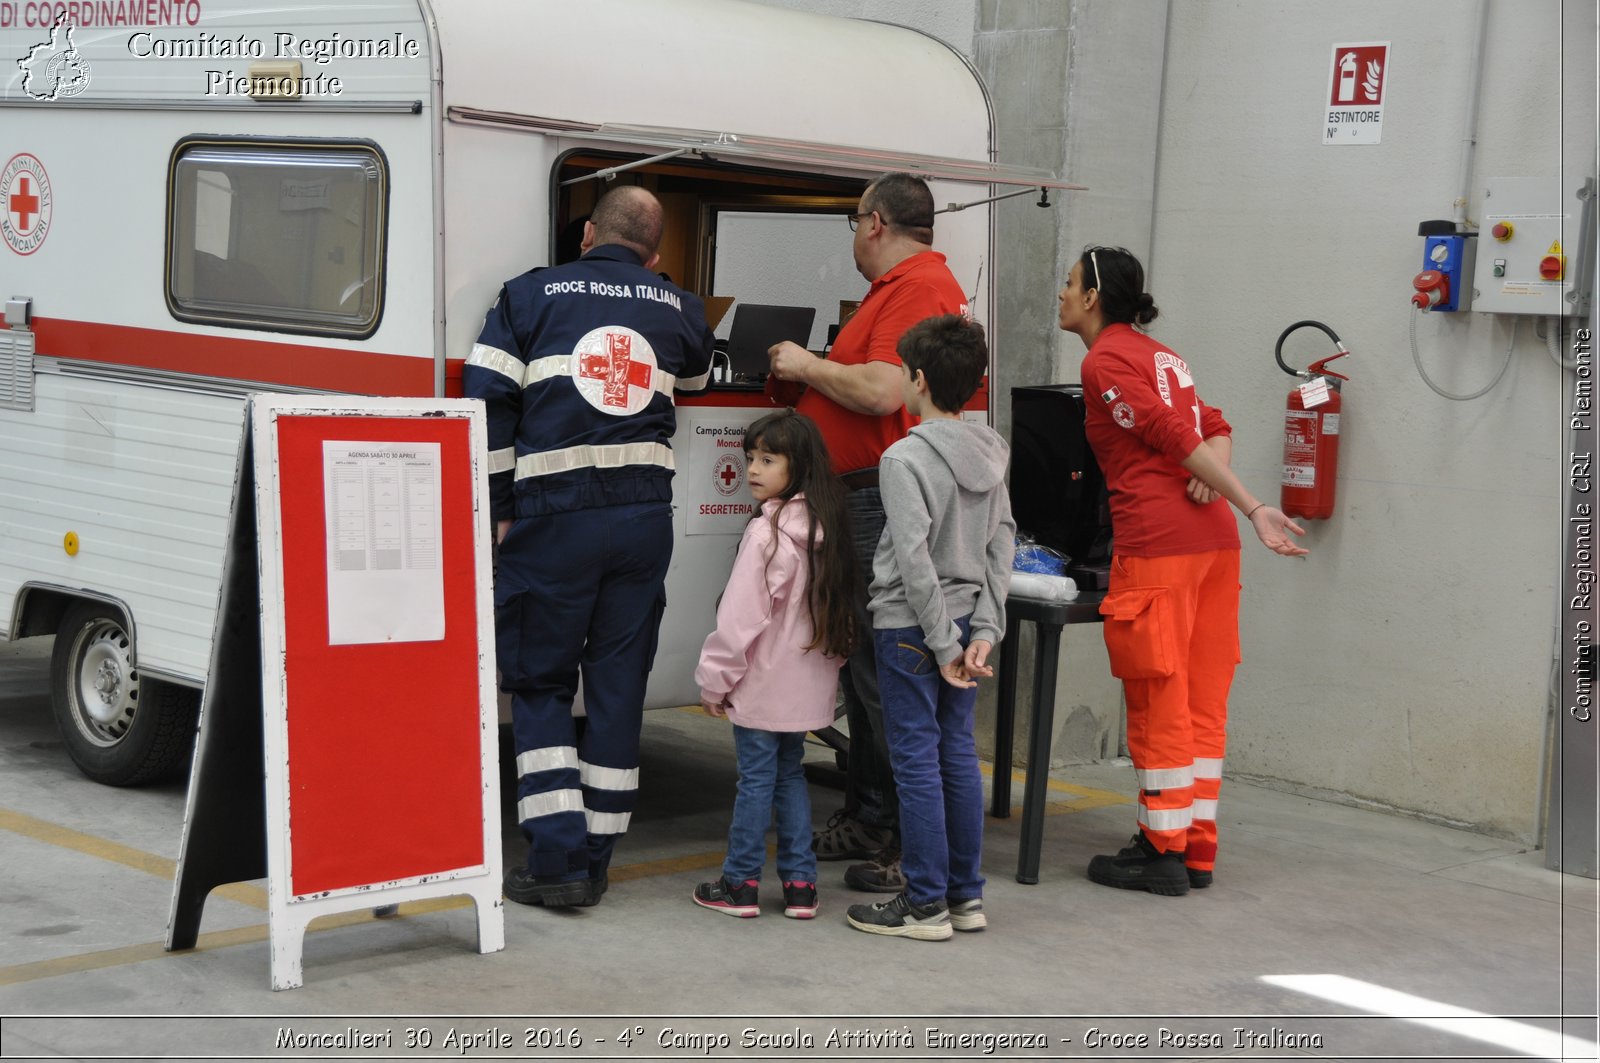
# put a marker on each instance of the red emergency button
(1553, 267)
(1502, 231)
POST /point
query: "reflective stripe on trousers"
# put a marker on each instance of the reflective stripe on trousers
(579, 595)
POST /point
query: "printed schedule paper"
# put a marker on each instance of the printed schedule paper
(385, 572)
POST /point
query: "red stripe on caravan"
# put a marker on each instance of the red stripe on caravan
(238, 358)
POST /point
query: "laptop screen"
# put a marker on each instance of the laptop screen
(756, 327)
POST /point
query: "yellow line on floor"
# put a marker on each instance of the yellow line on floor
(217, 939)
(667, 866)
(159, 866)
(254, 896)
(1097, 799)
(1103, 797)
(67, 838)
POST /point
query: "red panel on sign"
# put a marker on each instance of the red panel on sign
(1359, 72)
(385, 756)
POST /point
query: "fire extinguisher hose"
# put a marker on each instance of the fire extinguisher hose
(1277, 352)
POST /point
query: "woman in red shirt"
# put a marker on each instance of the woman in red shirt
(1172, 608)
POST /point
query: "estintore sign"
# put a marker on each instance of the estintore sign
(1356, 89)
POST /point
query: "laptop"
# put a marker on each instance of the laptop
(756, 328)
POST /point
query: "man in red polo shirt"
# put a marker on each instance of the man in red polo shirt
(854, 397)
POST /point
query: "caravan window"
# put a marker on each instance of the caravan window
(734, 234)
(286, 237)
(815, 269)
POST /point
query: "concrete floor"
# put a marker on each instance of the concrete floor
(1379, 936)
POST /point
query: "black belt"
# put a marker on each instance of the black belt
(855, 481)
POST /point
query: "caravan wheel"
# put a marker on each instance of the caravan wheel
(119, 729)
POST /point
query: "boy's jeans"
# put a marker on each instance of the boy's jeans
(935, 768)
(771, 779)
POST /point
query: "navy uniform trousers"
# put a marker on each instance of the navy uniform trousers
(579, 591)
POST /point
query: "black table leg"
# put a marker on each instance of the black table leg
(1036, 787)
(1005, 722)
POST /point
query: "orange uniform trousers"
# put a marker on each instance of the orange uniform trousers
(1172, 634)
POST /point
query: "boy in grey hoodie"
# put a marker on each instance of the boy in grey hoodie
(938, 607)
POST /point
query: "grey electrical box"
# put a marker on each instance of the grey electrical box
(1529, 229)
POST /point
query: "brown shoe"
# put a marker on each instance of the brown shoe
(849, 839)
(881, 874)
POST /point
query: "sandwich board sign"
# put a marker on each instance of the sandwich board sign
(347, 748)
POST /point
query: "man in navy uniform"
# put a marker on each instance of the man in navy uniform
(577, 364)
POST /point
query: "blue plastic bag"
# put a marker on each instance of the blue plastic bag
(1034, 557)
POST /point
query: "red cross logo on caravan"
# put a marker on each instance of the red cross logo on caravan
(27, 202)
(615, 370)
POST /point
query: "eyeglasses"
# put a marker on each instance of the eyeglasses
(1095, 262)
(855, 219)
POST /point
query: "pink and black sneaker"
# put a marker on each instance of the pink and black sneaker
(729, 898)
(800, 900)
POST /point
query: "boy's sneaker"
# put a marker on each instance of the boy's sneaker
(729, 898)
(1198, 879)
(901, 918)
(845, 838)
(881, 874)
(800, 900)
(968, 915)
(1140, 867)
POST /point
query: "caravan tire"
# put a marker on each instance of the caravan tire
(119, 729)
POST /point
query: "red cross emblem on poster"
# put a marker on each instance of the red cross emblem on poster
(614, 370)
(727, 474)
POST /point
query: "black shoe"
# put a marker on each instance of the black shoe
(523, 887)
(1141, 867)
(1198, 880)
(738, 899)
(903, 918)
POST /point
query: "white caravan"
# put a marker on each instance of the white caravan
(207, 198)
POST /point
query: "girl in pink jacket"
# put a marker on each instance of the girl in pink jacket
(784, 628)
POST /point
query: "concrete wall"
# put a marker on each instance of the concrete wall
(1406, 663)
(1065, 101)
(951, 21)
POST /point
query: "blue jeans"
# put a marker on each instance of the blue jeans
(771, 779)
(935, 768)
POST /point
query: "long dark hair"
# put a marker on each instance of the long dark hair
(1117, 275)
(830, 562)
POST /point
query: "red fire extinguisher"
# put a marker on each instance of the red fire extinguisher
(1311, 432)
